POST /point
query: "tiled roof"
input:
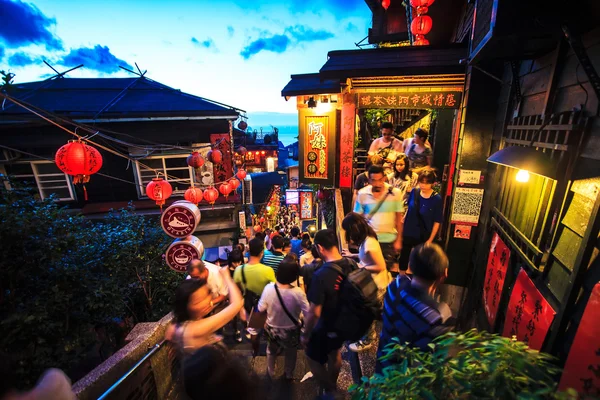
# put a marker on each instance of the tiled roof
(306, 84)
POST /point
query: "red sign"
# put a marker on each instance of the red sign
(582, 369)
(223, 170)
(306, 205)
(529, 315)
(182, 251)
(494, 277)
(316, 147)
(347, 142)
(180, 219)
(420, 100)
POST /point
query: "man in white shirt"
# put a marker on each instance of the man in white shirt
(198, 269)
(385, 150)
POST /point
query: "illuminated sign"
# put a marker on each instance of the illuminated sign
(420, 100)
(306, 205)
(292, 197)
(347, 143)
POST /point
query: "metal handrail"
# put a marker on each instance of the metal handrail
(154, 349)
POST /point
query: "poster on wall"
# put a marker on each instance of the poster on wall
(420, 100)
(495, 276)
(316, 147)
(582, 369)
(306, 205)
(466, 206)
(469, 177)
(462, 231)
(224, 169)
(529, 315)
(347, 142)
(205, 174)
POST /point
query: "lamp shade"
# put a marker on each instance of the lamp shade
(525, 158)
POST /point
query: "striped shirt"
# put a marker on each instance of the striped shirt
(273, 258)
(412, 316)
(384, 220)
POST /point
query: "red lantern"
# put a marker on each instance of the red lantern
(385, 4)
(210, 195)
(420, 41)
(241, 174)
(79, 160)
(225, 189)
(234, 183)
(422, 10)
(159, 190)
(242, 150)
(193, 195)
(421, 25)
(243, 125)
(421, 3)
(195, 160)
(215, 156)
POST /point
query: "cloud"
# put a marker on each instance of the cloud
(230, 31)
(22, 24)
(1, 53)
(98, 58)
(207, 44)
(22, 59)
(336, 7)
(351, 28)
(279, 43)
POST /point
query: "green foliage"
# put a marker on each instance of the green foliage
(374, 119)
(6, 79)
(464, 365)
(69, 286)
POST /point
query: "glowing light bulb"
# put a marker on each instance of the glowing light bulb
(523, 176)
(268, 208)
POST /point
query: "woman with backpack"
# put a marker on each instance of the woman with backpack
(423, 218)
(283, 303)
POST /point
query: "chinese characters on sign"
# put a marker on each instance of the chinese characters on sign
(223, 170)
(347, 142)
(495, 275)
(582, 369)
(316, 163)
(529, 315)
(306, 205)
(469, 177)
(421, 100)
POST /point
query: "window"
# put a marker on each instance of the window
(45, 176)
(174, 169)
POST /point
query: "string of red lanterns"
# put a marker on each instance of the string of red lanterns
(421, 24)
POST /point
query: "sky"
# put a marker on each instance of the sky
(238, 52)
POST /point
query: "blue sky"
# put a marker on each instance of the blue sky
(239, 52)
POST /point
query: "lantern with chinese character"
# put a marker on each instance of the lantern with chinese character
(420, 41)
(215, 156)
(195, 160)
(234, 183)
(421, 3)
(210, 195)
(78, 160)
(193, 195)
(421, 25)
(385, 4)
(159, 190)
(241, 174)
(243, 125)
(225, 189)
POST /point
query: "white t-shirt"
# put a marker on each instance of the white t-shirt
(214, 281)
(306, 258)
(365, 251)
(295, 302)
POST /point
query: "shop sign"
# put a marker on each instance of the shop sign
(462, 231)
(582, 369)
(306, 205)
(291, 197)
(242, 219)
(419, 100)
(529, 314)
(182, 251)
(495, 276)
(347, 142)
(316, 145)
(180, 219)
(223, 170)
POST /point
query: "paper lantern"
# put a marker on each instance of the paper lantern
(225, 189)
(421, 25)
(422, 10)
(193, 195)
(159, 190)
(243, 125)
(421, 3)
(385, 4)
(78, 160)
(241, 174)
(215, 156)
(234, 183)
(420, 41)
(242, 150)
(210, 195)
(195, 160)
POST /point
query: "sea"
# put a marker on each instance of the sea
(287, 134)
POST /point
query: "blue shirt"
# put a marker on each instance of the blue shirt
(296, 246)
(431, 210)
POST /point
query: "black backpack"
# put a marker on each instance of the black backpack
(357, 306)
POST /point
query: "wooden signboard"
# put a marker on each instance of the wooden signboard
(418, 100)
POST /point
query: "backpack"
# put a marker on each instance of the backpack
(357, 306)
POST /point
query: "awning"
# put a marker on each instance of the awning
(306, 84)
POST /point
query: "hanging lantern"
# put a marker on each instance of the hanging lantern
(241, 174)
(234, 183)
(215, 156)
(195, 160)
(420, 41)
(210, 195)
(242, 150)
(78, 160)
(159, 190)
(385, 4)
(421, 25)
(243, 125)
(225, 189)
(422, 10)
(193, 195)
(421, 3)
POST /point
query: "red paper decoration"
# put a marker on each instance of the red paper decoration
(215, 156)
(420, 41)
(241, 174)
(243, 125)
(159, 190)
(421, 25)
(225, 189)
(79, 160)
(234, 183)
(385, 4)
(193, 195)
(195, 160)
(421, 3)
(210, 195)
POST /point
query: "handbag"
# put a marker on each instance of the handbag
(289, 314)
(257, 319)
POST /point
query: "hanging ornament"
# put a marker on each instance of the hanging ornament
(215, 156)
(193, 195)
(421, 3)
(420, 41)
(421, 25)
(422, 10)
(210, 195)
(159, 190)
(385, 4)
(234, 183)
(242, 150)
(243, 125)
(225, 189)
(195, 160)
(78, 160)
(241, 174)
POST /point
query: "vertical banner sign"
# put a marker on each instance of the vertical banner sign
(494, 277)
(223, 170)
(529, 315)
(316, 147)
(306, 205)
(582, 370)
(347, 142)
(242, 218)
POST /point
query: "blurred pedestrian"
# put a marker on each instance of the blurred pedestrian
(307, 257)
(403, 178)
(273, 257)
(384, 150)
(418, 150)
(198, 269)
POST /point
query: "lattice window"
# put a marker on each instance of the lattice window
(45, 176)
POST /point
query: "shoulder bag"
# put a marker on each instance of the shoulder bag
(256, 319)
(378, 205)
(287, 312)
